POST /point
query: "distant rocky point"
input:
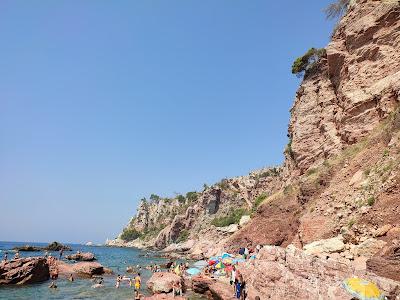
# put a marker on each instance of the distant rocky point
(54, 246)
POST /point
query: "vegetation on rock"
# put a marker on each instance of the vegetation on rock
(232, 218)
(308, 61)
(129, 234)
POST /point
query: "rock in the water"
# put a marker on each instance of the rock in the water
(327, 246)
(82, 269)
(28, 248)
(56, 246)
(161, 282)
(24, 270)
(86, 256)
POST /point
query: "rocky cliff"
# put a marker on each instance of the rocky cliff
(341, 175)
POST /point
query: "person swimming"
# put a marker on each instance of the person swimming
(98, 284)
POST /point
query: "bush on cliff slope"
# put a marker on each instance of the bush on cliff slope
(308, 61)
(129, 234)
(232, 218)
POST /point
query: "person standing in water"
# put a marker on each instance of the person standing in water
(5, 258)
(61, 253)
(138, 282)
(117, 284)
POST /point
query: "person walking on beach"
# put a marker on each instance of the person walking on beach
(238, 290)
(138, 282)
(243, 288)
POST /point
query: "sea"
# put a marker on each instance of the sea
(116, 259)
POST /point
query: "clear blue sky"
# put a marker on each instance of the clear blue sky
(105, 102)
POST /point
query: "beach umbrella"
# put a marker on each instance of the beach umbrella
(200, 264)
(363, 289)
(193, 271)
(220, 265)
(226, 255)
(212, 262)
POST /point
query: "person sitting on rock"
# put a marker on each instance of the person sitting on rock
(177, 289)
(16, 256)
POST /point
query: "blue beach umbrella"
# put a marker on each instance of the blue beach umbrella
(193, 271)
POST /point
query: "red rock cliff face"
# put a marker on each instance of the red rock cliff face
(355, 86)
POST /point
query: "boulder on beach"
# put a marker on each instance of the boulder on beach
(211, 288)
(162, 282)
(86, 256)
(163, 297)
(24, 271)
(386, 262)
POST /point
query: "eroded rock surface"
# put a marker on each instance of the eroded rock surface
(162, 282)
(85, 256)
(24, 271)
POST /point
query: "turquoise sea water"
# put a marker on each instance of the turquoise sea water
(115, 258)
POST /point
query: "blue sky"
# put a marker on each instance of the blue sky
(105, 102)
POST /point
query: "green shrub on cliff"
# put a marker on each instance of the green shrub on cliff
(232, 218)
(259, 200)
(130, 234)
(181, 199)
(183, 236)
(308, 61)
(191, 196)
